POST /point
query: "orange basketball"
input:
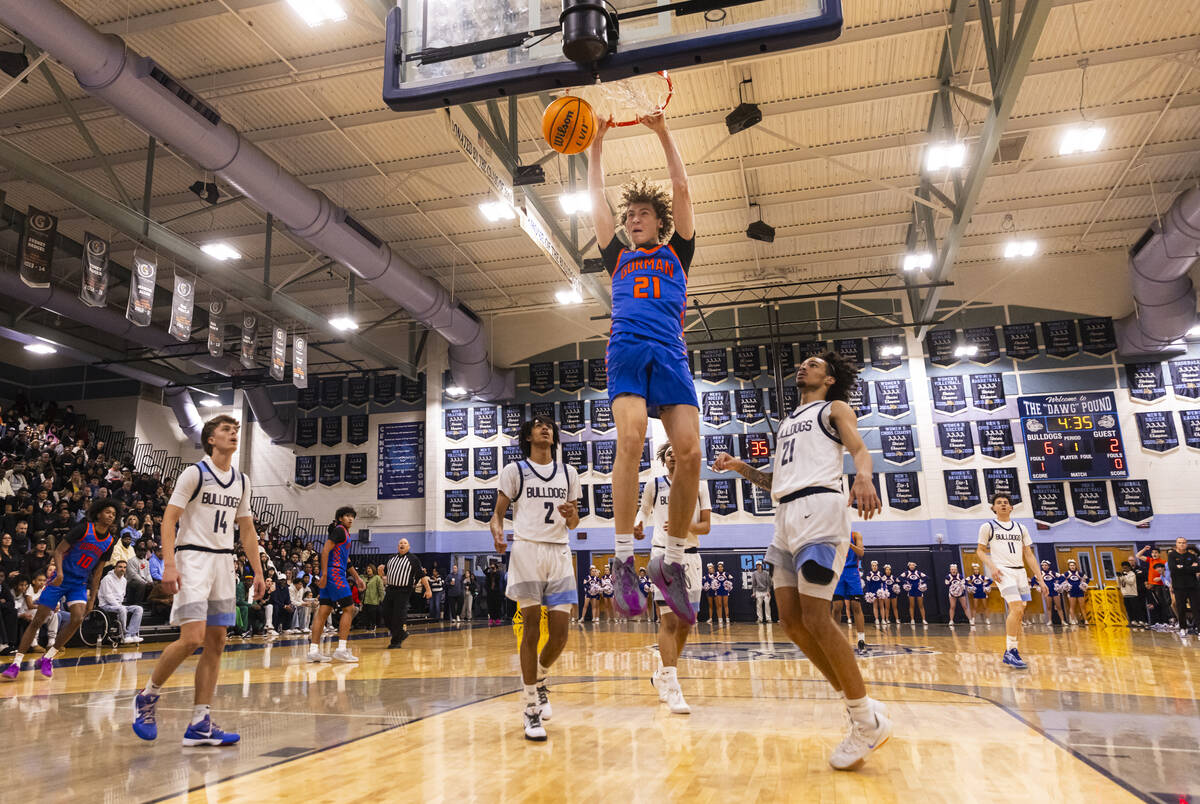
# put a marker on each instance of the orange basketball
(569, 124)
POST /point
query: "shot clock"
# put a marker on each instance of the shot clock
(756, 448)
(1072, 437)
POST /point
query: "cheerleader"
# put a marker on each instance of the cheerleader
(1076, 589)
(913, 581)
(891, 594)
(708, 589)
(980, 585)
(957, 586)
(722, 585)
(873, 583)
(647, 586)
(591, 596)
(1054, 603)
(606, 596)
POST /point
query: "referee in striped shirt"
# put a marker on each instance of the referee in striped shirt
(404, 573)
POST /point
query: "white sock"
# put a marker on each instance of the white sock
(675, 548)
(341, 644)
(542, 672)
(151, 689)
(1011, 642)
(200, 712)
(860, 710)
(624, 546)
(51, 652)
(531, 696)
(17, 657)
(668, 674)
(862, 637)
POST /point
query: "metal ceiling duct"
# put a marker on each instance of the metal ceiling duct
(1164, 299)
(180, 400)
(145, 93)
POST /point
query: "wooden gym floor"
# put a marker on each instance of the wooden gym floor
(1101, 716)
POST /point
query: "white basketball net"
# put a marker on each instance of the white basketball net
(627, 100)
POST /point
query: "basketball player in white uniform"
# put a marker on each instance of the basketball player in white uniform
(210, 503)
(540, 571)
(672, 631)
(1006, 550)
(812, 536)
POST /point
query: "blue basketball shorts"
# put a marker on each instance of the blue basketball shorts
(657, 372)
(850, 584)
(71, 590)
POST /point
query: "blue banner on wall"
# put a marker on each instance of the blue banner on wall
(791, 400)
(1060, 337)
(1185, 378)
(511, 417)
(716, 444)
(329, 470)
(401, 472)
(456, 505)
(756, 501)
(456, 423)
(787, 359)
(570, 375)
(1157, 432)
(600, 415)
(574, 453)
(483, 421)
(331, 430)
(306, 470)
(541, 377)
(715, 407)
(356, 468)
(597, 369)
(356, 391)
(903, 490)
(894, 348)
(1049, 503)
(995, 438)
(644, 463)
(570, 416)
(746, 364)
(891, 398)
(603, 455)
(545, 409)
(511, 454)
(986, 344)
(713, 365)
(412, 389)
(807, 349)
(1020, 341)
(1097, 335)
(306, 432)
(306, 398)
(1089, 499)
(851, 349)
(385, 389)
(749, 405)
(1145, 381)
(987, 391)
(722, 493)
(1132, 500)
(898, 444)
(602, 501)
(330, 391)
(962, 487)
(584, 503)
(940, 345)
(357, 428)
(1189, 420)
(485, 463)
(955, 440)
(483, 504)
(1001, 480)
(948, 394)
(456, 464)
(858, 397)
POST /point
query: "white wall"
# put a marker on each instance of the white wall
(157, 425)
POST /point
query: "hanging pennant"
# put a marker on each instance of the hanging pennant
(1132, 498)
(455, 509)
(885, 343)
(1020, 341)
(356, 428)
(898, 444)
(574, 453)
(250, 340)
(1049, 503)
(962, 487)
(331, 430)
(644, 463)
(995, 438)
(858, 397)
(787, 360)
(1145, 381)
(714, 445)
(955, 440)
(1098, 336)
(182, 303)
(512, 416)
(722, 494)
(1002, 480)
(94, 287)
(456, 464)
(456, 423)
(597, 371)
(357, 390)
(940, 345)
(331, 392)
(511, 454)
(851, 350)
(715, 405)
(216, 330)
(278, 353)
(485, 463)
(603, 455)
(1060, 337)
(330, 471)
(570, 375)
(1190, 423)
(714, 367)
(903, 491)
(1185, 379)
(483, 503)
(891, 398)
(483, 421)
(541, 377)
(584, 504)
(748, 402)
(987, 391)
(1089, 499)
(385, 388)
(306, 398)
(306, 432)
(745, 362)
(948, 394)
(987, 347)
(791, 400)
(543, 409)
(1156, 429)
(306, 470)
(807, 349)
(300, 362)
(602, 500)
(600, 415)
(412, 389)
(570, 416)
(139, 308)
(35, 250)
(356, 468)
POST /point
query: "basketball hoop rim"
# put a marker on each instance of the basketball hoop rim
(665, 75)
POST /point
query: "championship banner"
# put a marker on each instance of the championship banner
(456, 464)
(806, 349)
(1098, 336)
(511, 454)
(216, 332)
(483, 504)
(745, 362)
(986, 344)
(330, 470)
(306, 470)
(306, 398)
(249, 342)
(300, 362)
(412, 389)
(891, 398)
(1132, 499)
(940, 345)
(756, 501)
(722, 493)
(898, 444)
(1060, 337)
(330, 392)
(456, 424)
(484, 463)
(851, 349)
(456, 505)
(880, 361)
(1189, 420)
(1145, 382)
(183, 300)
(385, 387)
(1185, 379)
(140, 306)
(1049, 503)
(278, 353)
(356, 468)
(574, 453)
(791, 400)
(584, 504)
(644, 463)
(93, 290)
(962, 487)
(331, 430)
(602, 501)
(715, 445)
(570, 375)
(306, 433)
(987, 391)
(570, 416)
(356, 428)
(787, 359)
(1002, 480)
(749, 405)
(715, 408)
(995, 438)
(597, 373)
(858, 397)
(483, 421)
(903, 491)
(545, 409)
(1089, 499)
(541, 377)
(603, 455)
(512, 415)
(955, 440)
(35, 250)
(1020, 341)
(948, 394)
(600, 418)
(1157, 432)
(357, 391)
(713, 365)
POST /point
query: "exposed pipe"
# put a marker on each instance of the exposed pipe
(180, 400)
(1164, 299)
(144, 93)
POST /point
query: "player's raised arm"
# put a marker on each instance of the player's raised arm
(724, 462)
(602, 218)
(681, 193)
(862, 494)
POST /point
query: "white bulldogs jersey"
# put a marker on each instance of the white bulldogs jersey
(808, 451)
(212, 502)
(1006, 542)
(536, 491)
(656, 498)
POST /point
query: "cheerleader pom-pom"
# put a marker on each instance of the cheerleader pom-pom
(957, 588)
(923, 586)
(1062, 587)
(883, 594)
(728, 586)
(707, 586)
(908, 587)
(869, 597)
(895, 589)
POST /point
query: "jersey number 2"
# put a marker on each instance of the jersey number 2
(641, 284)
(220, 523)
(549, 513)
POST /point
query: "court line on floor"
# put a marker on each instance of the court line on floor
(1136, 748)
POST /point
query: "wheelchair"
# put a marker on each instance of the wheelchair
(98, 629)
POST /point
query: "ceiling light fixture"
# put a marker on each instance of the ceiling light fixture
(497, 211)
(318, 12)
(891, 351)
(919, 261)
(1081, 140)
(569, 296)
(209, 402)
(945, 156)
(343, 323)
(40, 348)
(221, 251)
(966, 351)
(573, 203)
(1019, 248)
(456, 391)
(1194, 332)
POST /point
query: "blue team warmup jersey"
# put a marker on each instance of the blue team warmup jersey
(88, 550)
(337, 586)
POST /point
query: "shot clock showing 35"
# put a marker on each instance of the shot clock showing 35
(1072, 437)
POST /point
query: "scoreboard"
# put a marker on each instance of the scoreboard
(755, 448)
(1072, 436)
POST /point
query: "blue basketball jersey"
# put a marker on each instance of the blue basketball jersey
(339, 557)
(649, 294)
(85, 552)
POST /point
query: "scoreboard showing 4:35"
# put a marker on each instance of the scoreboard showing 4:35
(1072, 436)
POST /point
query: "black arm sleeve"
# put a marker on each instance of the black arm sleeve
(611, 253)
(77, 532)
(684, 249)
(416, 568)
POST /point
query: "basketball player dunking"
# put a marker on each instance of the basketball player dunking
(1006, 551)
(647, 358)
(540, 572)
(335, 588)
(812, 536)
(211, 500)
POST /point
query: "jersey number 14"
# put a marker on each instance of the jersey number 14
(221, 522)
